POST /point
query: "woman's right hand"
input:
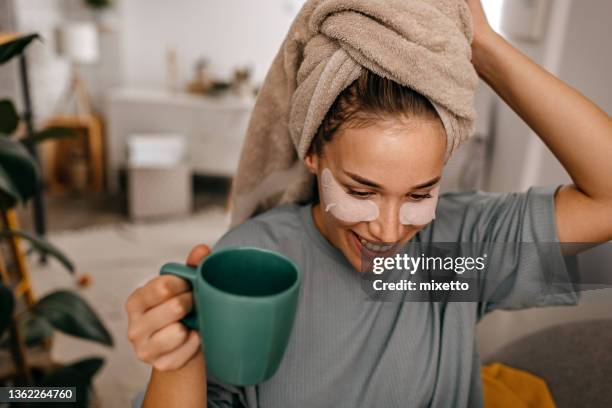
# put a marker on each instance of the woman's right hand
(154, 313)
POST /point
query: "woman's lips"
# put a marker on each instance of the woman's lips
(362, 250)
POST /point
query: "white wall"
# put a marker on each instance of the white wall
(48, 73)
(512, 136)
(135, 37)
(229, 33)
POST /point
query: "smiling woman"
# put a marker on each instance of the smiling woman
(363, 105)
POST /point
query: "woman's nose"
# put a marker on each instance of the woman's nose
(387, 227)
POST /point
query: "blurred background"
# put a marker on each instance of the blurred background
(158, 95)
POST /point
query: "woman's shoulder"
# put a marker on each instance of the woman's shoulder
(479, 214)
(268, 229)
(478, 199)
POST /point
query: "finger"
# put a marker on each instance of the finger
(171, 311)
(165, 340)
(198, 253)
(155, 292)
(179, 357)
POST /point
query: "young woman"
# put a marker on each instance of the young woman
(385, 144)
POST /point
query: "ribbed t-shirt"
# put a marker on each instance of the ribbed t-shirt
(347, 350)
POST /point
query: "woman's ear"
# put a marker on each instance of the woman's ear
(312, 162)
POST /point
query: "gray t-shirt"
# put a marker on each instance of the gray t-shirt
(346, 350)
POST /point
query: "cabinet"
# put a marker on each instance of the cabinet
(213, 126)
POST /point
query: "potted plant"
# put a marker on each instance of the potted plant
(27, 324)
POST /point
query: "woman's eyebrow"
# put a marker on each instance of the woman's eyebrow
(428, 183)
(371, 183)
(362, 180)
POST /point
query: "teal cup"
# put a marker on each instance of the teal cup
(245, 301)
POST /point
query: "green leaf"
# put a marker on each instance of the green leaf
(7, 303)
(20, 166)
(9, 119)
(41, 245)
(15, 47)
(79, 375)
(55, 132)
(70, 314)
(34, 328)
(9, 196)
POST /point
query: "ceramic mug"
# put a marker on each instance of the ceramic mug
(245, 301)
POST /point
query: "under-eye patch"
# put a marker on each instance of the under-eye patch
(342, 205)
(420, 212)
(352, 210)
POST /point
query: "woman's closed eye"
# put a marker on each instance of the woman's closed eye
(368, 194)
(419, 197)
(359, 194)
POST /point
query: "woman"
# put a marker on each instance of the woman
(383, 144)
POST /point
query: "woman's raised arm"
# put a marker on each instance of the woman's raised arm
(577, 131)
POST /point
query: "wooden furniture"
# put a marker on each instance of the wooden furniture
(89, 143)
(213, 126)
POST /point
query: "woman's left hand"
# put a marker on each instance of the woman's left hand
(482, 28)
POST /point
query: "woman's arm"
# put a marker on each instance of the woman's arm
(184, 387)
(577, 132)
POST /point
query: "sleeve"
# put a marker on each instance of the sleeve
(220, 395)
(525, 265)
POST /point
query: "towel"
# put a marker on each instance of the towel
(422, 44)
(507, 387)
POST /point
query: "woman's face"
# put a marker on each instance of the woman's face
(382, 181)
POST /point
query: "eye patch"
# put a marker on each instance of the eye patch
(352, 210)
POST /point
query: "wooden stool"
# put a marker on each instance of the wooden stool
(56, 156)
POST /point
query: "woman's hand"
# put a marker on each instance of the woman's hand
(482, 28)
(154, 314)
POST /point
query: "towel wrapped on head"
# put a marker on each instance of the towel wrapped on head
(422, 44)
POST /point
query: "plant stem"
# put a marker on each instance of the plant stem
(18, 349)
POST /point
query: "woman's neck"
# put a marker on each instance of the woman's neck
(317, 217)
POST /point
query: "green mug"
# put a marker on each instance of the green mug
(245, 301)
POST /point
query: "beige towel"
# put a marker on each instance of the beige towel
(423, 44)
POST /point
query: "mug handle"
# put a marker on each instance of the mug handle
(189, 274)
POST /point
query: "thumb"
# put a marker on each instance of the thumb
(197, 253)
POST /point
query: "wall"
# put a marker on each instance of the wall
(8, 72)
(136, 34)
(48, 73)
(512, 135)
(229, 33)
